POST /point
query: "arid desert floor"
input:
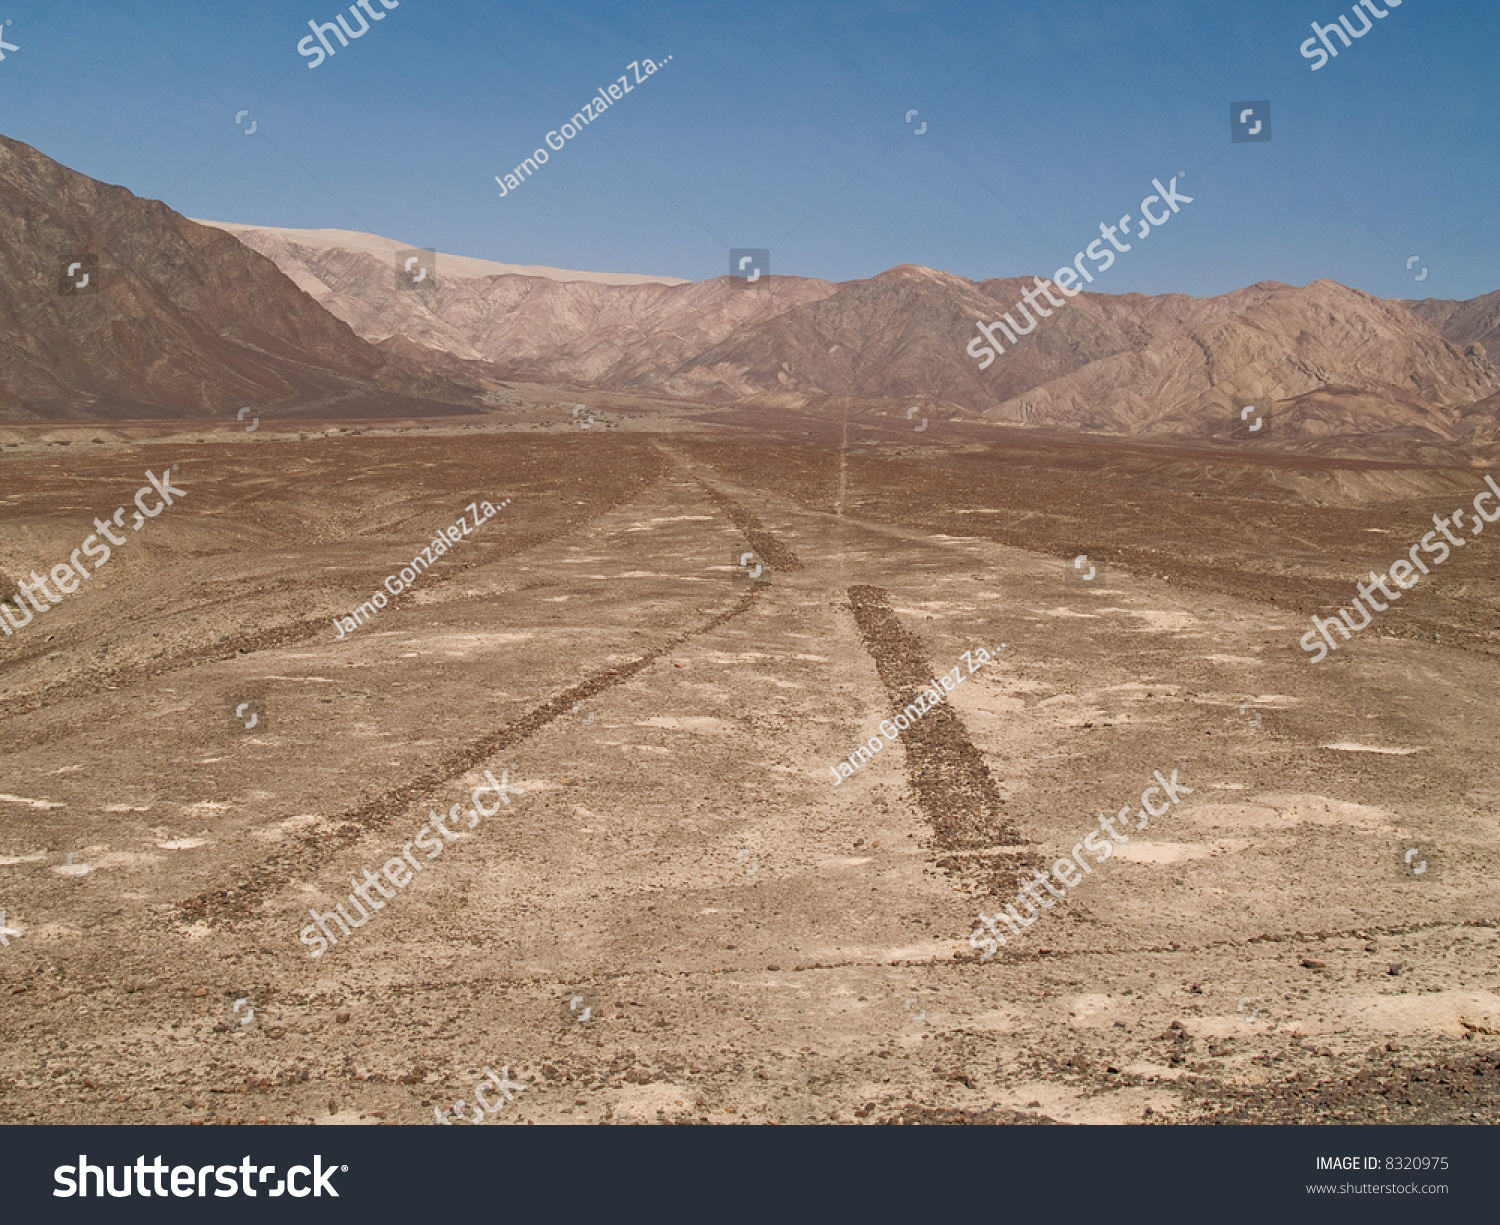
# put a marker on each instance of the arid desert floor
(681, 918)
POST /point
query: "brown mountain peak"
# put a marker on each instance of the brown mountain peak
(119, 306)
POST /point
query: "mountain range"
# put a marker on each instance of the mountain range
(116, 307)
(195, 319)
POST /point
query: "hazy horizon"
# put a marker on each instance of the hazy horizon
(648, 273)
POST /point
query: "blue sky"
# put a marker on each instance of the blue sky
(781, 125)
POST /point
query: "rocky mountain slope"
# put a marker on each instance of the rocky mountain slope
(1478, 319)
(1329, 359)
(162, 317)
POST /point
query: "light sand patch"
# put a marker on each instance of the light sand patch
(993, 705)
(1320, 810)
(465, 642)
(933, 606)
(992, 1021)
(1348, 746)
(1136, 851)
(1122, 1106)
(123, 859)
(1067, 612)
(540, 784)
(21, 799)
(1153, 1069)
(1256, 1018)
(1058, 1102)
(7, 861)
(48, 932)
(1237, 816)
(140, 808)
(346, 1118)
(1168, 620)
(697, 723)
(1450, 1014)
(1092, 1010)
(918, 952)
(639, 1103)
(182, 844)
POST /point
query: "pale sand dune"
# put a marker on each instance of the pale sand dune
(448, 265)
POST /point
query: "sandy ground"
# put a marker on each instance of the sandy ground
(681, 918)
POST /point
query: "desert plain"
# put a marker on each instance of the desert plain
(680, 918)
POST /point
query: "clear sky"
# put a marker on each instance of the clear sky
(781, 125)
